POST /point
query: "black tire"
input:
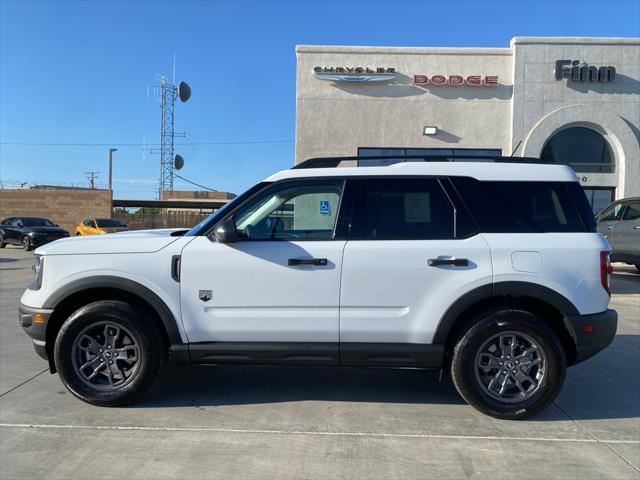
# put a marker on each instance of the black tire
(2, 244)
(151, 353)
(468, 378)
(26, 244)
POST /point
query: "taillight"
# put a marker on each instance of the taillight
(605, 270)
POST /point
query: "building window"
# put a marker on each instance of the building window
(460, 154)
(599, 198)
(583, 149)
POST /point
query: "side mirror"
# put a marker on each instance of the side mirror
(20, 225)
(225, 231)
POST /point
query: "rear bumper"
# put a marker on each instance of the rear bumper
(604, 326)
(35, 329)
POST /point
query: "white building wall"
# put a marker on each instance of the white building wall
(337, 118)
(537, 96)
(524, 110)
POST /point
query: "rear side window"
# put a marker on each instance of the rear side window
(401, 209)
(582, 204)
(520, 207)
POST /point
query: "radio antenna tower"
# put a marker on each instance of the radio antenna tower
(168, 92)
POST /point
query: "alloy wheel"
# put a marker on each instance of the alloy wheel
(106, 356)
(511, 366)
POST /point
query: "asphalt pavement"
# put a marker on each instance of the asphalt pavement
(238, 422)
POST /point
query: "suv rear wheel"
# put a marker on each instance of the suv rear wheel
(108, 353)
(508, 364)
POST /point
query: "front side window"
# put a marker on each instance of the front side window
(302, 210)
(401, 209)
(611, 213)
(108, 223)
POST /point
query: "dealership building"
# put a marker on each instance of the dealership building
(571, 100)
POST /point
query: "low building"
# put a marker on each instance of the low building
(567, 100)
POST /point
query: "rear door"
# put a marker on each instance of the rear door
(411, 253)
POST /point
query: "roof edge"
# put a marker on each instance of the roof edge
(401, 50)
(575, 40)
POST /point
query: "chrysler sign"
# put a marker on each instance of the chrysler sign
(355, 74)
(457, 80)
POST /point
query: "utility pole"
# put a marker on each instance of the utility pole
(111, 150)
(92, 176)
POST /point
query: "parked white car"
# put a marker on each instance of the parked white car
(493, 270)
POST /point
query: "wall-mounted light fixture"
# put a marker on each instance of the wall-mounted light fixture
(430, 131)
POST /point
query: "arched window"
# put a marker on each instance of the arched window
(583, 149)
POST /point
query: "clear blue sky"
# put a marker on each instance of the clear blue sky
(77, 72)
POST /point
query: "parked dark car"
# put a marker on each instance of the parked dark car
(30, 232)
(620, 225)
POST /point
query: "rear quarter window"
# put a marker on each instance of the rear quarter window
(521, 207)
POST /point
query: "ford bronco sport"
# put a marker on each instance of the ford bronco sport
(492, 270)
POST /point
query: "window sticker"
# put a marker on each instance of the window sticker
(417, 207)
(324, 207)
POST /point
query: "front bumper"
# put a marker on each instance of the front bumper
(34, 322)
(603, 328)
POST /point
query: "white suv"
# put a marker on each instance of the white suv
(493, 270)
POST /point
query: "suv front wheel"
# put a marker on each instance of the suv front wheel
(508, 364)
(108, 353)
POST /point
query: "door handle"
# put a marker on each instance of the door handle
(637, 227)
(456, 262)
(609, 228)
(318, 262)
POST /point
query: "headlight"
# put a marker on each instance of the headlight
(38, 268)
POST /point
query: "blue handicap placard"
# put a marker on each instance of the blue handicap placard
(324, 207)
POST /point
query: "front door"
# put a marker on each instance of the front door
(607, 221)
(278, 284)
(626, 241)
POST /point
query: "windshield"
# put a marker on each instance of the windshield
(108, 223)
(211, 220)
(37, 222)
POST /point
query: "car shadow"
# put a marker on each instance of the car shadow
(625, 283)
(243, 385)
(606, 386)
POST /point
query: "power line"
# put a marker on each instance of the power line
(42, 144)
(194, 183)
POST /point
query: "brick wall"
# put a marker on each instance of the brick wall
(66, 207)
(197, 194)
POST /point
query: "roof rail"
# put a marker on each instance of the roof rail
(332, 162)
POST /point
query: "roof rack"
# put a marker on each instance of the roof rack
(333, 162)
